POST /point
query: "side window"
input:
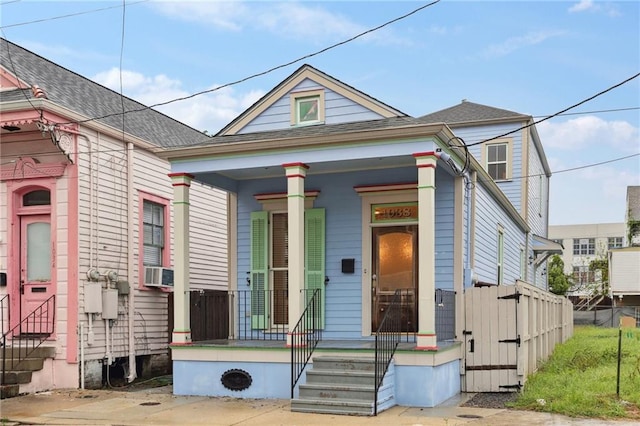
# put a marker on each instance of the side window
(153, 229)
(500, 260)
(497, 161)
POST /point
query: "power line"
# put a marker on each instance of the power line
(572, 169)
(53, 18)
(557, 113)
(593, 112)
(268, 71)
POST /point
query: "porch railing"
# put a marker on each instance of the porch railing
(259, 314)
(388, 337)
(28, 335)
(4, 312)
(305, 337)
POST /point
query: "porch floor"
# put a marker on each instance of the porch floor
(324, 344)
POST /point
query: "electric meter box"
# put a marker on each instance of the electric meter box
(92, 298)
(110, 303)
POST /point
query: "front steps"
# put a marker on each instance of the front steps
(21, 373)
(341, 385)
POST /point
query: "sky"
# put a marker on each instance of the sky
(535, 58)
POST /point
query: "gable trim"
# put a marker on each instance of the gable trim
(8, 81)
(321, 79)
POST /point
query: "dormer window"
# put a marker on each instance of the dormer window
(307, 108)
(497, 157)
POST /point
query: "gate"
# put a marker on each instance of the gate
(508, 331)
(491, 339)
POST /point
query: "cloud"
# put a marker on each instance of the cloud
(290, 20)
(516, 43)
(590, 131)
(225, 15)
(590, 6)
(210, 111)
(597, 193)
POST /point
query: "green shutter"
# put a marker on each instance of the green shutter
(314, 262)
(259, 269)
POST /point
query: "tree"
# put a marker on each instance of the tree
(600, 269)
(559, 282)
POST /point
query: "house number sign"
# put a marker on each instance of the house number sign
(400, 212)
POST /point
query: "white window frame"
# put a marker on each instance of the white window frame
(295, 100)
(508, 142)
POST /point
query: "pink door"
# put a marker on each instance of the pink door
(35, 274)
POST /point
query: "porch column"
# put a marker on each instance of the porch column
(181, 315)
(296, 173)
(426, 337)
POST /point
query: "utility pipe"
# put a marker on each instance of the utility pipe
(130, 264)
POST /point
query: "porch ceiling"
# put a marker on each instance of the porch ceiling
(322, 167)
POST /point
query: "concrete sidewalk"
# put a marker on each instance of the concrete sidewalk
(159, 407)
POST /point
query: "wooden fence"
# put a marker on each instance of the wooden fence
(209, 314)
(508, 331)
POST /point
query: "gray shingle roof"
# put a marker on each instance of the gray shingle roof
(86, 97)
(469, 112)
(323, 129)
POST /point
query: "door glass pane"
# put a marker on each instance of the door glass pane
(39, 251)
(395, 268)
(396, 261)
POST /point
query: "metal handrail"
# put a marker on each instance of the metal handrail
(305, 337)
(29, 333)
(388, 337)
(4, 302)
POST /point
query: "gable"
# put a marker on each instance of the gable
(8, 81)
(339, 103)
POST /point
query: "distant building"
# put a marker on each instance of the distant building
(583, 244)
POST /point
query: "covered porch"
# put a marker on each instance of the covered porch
(326, 235)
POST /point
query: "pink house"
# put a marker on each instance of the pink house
(86, 229)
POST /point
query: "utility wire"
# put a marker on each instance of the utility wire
(268, 71)
(594, 111)
(572, 169)
(590, 98)
(53, 18)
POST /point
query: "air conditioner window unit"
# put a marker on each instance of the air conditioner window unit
(156, 276)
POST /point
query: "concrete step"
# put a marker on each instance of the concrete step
(9, 391)
(17, 377)
(27, 364)
(326, 406)
(22, 351)
(343, 363)
(337, 392)
(338, 376)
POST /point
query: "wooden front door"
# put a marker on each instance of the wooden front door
(395, 267)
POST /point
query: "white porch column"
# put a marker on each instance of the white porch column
(426, 337)
(296, 173)
(181, 315)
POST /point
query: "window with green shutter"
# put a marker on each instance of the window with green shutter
(314, 264)
(259, 270)
(269, 240)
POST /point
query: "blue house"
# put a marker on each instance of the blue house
(355, 232)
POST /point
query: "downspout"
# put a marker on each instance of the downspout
(467, 262)
(130, 264)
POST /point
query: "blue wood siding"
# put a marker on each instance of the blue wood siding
(511, 188)
(343, 311)
(338, 109)
(489, 216)
(538, 196)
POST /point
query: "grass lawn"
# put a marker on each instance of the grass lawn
(579, 379)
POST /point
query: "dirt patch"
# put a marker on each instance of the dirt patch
(496, 400)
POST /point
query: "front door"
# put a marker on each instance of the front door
(35, 273)
(395, 267)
